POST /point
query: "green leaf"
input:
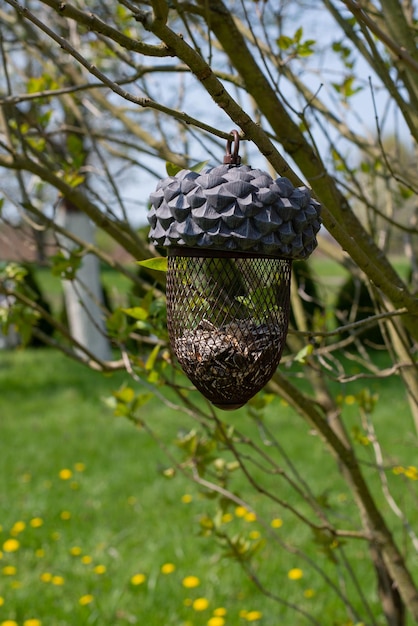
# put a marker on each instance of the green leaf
(298, 35)
(73, 179)
(405, 192)
(199, 166)
(302, 355)
(345, 52)
(44, 118)
(188, 441)
(150, 364)
(41, 83)
(76, 149)
(142, 398)
(305, 48)
(284, 42)
(172, 169)
(346, 88)
(117, 325)
(137, 312)
(13, 271)
(124, 394)
(66, 266)
(158, 263)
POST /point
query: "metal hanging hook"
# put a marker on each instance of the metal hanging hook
(234, 158)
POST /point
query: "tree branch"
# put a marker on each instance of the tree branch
(93, 23)
(399, 51)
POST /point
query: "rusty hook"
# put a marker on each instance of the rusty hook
(234, 158)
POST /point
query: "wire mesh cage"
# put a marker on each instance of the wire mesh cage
(227, 319)
(231, 233)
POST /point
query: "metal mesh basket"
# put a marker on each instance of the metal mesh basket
(227, 319)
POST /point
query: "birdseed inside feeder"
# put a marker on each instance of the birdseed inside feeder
(231, 233)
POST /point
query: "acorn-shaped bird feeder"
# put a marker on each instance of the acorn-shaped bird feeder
(231, 233)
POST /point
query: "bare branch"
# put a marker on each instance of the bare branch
(398, 50)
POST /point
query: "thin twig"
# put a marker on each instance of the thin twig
(371, 434)
(370, 321)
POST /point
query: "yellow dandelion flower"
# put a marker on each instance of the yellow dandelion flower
(75, 550)
(254, 534)
(9, 570)
(253, 616)
(36, 522)
(11, 545)
(40, 553)
(46, 577)
(32, 622)
(1, 601)
(65, 474)
(86, 559)
(219, 612)
(100, 569)
(309, 593)
(216, 621)
(186, 498)
(200, 604)
(65, 515)
(240, 511)
(138, 579)
(55, 536)
(86, 599)
(79, 467)
(295, 574)
(17, 528)
(168, 568)
(276, 522)
(226, 518)
(58, 581)
(250, 517)
(411, 472)
(190, 582)
(350, 399)
(9, 622)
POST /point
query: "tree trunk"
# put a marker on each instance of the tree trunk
(84, 295)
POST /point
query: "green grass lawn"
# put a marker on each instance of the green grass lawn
(83, 494)
(93, 532)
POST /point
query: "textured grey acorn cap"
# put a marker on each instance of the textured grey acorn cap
(234, 208)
